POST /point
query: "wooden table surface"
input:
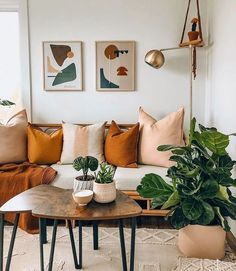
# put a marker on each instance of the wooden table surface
(47, 201)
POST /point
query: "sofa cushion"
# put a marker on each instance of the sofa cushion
(121, 146)
(81, 141)
(130, 178)
(13, 139)
(44, 148)
(167, 131)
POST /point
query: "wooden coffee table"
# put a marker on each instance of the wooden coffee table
(54, 203)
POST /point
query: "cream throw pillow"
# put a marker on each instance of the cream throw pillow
(153, 133)
(13, 139)
(81, 141)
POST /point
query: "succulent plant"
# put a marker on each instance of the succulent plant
(105, 174)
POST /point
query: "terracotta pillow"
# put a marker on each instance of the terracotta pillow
(43, 148)
(153, 133)
(13, 139)
(121, 146)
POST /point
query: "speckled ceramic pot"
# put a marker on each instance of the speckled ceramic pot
(104, 193)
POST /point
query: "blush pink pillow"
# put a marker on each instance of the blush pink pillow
(153, 133)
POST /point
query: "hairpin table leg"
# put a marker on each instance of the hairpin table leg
(1, 240)
(41, 242)
(122, 245)
(44, 230)
(72, 240)
(13, 237)
(95, 235)
(54, 235)
(132, 251)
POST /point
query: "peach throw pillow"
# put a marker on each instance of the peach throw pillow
(121, 146)
(153, 133)
(13, 139)
(43, 148)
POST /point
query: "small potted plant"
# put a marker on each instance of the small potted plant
(104, 186)
(85, 181)
(193, 35)
(198, 194)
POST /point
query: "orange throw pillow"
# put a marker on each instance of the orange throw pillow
(121, 146)
(43, 148)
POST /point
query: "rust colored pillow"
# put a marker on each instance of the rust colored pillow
(43, 148)
(121, 146)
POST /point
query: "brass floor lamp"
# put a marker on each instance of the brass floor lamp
(156, 59)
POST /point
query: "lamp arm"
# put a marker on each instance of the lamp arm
(174, 48)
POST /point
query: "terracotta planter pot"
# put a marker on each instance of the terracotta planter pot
(104, 193)
(206, 242)
(80, 184)
(193, 35)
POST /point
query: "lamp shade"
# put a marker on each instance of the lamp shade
(155, 59)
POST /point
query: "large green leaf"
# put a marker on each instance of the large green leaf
(222, 194)
(192, 130)
(173, 200)
(192, 208)
(178, 219)
(209, 189)
(157, 202)
(215, 141)
(153, 186)
(208, 214)
(223, 221)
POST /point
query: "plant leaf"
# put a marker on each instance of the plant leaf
(178, 219)
(6, 103)
(208, 214)
(215, 141)
(153, 186)
(192, 130)
(223, 221)
(209, 189)
(173, 200)
(192, 208)
(157, 202)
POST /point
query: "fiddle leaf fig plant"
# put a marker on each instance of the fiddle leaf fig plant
(198, 188)
(85, 164)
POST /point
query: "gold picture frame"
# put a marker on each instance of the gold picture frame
(62, 65)
(115, 65)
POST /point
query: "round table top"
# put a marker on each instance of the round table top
(46, 201)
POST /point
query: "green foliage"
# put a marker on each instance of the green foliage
(105, 174)
(6, 103)
(85, 164)
(198, 192)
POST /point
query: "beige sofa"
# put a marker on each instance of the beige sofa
(126, 179)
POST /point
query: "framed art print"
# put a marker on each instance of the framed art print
(62, 65)
(115, 69)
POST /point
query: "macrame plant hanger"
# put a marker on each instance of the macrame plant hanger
(194, 43)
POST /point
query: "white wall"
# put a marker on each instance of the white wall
(152, 24)
(221, 91)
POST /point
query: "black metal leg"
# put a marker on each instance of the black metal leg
(95, 235)
(1, 240)
(122, 245)
(13, 237)
(72, 240)
(44, 230)
(80, 244)
(54, 234)
(41, 239)
(132, 251)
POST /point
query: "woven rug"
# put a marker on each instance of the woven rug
(155, 251)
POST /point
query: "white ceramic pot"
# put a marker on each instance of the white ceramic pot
(206, 242)
(104, 193)
(80, 184)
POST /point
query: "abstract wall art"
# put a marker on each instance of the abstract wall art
(115, 70)
(62, 65)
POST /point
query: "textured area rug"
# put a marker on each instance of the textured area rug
(155, 251)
